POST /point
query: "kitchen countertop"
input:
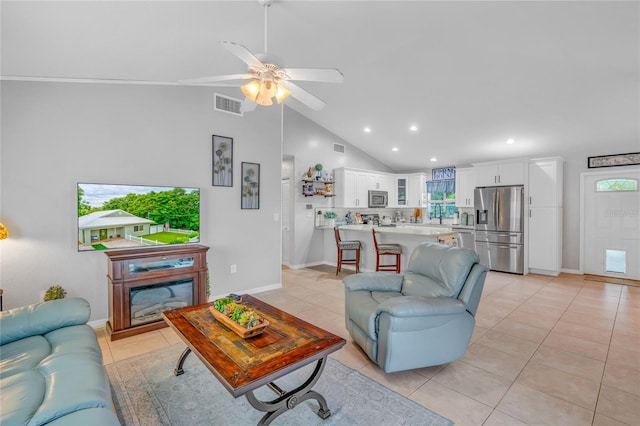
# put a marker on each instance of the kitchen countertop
(405, 229)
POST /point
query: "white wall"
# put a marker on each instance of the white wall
(55, 135)
(310, 144)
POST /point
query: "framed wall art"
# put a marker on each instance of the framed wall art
(631, 159)
(222, 161)
(443, 173)
(250, 188)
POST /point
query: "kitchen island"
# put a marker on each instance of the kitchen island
(409, 236)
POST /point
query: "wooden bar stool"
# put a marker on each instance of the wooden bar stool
(387, 250)
(347, 245)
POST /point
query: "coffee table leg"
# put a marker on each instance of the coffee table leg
(179, 370)
(289, 400)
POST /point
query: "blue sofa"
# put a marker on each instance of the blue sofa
(421, 318)
(51, 369)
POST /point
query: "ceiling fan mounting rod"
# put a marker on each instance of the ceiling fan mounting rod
(266, 5)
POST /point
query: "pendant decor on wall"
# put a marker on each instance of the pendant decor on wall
(250, 188)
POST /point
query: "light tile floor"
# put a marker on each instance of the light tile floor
(546, 350)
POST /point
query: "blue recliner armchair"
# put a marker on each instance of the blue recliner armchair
(421, 318)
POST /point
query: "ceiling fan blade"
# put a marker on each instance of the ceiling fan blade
(216, 78)
(243, 53)
(303, 96)
(326, 75)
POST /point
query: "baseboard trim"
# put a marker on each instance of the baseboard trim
(99, 323)
(571, 271)
(306, 265)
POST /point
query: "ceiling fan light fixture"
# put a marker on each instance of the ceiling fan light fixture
(251, 90)
(264, 90)
(282, 93)
(259, 91)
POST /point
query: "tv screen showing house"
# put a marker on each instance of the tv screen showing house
(129, 216)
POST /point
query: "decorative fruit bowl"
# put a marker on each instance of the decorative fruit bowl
(241, 319)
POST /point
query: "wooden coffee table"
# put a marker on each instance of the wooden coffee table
(243, 365)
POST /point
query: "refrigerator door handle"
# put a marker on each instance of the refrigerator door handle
(496, 203)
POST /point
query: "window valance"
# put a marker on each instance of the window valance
(444, 185)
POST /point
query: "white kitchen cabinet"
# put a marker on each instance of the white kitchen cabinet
(499, 174)
(545, 240)
(545, 215)
(351, 188)
(389, 185)
(416, 188)
(379, 182)
(545, 182)
(465, 184)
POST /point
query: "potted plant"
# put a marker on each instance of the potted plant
(330, 218)
(318, 168)
(240, 318)
(54, 292)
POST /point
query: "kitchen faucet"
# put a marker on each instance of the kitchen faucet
(438, 212)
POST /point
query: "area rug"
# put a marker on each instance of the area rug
(145, 392)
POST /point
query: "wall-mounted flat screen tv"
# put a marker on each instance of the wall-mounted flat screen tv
(129, 216)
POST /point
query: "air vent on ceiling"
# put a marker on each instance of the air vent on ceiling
(227, 104)
(338, 148)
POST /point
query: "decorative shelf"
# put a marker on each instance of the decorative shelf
(311, 188)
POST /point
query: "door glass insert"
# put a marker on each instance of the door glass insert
(614, 185)
(616, 261)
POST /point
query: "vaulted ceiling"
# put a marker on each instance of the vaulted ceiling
(556, 77)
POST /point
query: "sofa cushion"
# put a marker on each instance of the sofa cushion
(42, 318)
(23, 355)
(73, 382)
(436, 270)
(21, 395)
(89, 416)
(75, 339)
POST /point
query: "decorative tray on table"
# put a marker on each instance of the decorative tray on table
(241, 319)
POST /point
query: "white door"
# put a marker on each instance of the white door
(612, 224)
(286, 220)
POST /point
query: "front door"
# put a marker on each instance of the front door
(612, 224)
(103, 234)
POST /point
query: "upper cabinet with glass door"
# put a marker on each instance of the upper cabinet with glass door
(401, 191)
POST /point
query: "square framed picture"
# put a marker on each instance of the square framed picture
(250, 188)
(222, 161)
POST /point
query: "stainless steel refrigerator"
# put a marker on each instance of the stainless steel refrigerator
(500, 227)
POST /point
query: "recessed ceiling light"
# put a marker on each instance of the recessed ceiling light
(367, 129)
(433, 159)
(510, 141)
(395, 148)
(413, 128)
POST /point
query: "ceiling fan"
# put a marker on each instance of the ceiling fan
(268, 81)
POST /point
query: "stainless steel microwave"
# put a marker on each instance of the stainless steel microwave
(378, 199)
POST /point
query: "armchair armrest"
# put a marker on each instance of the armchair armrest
(41, 318)
(415, 306)
(374, 281)
(472, 289)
